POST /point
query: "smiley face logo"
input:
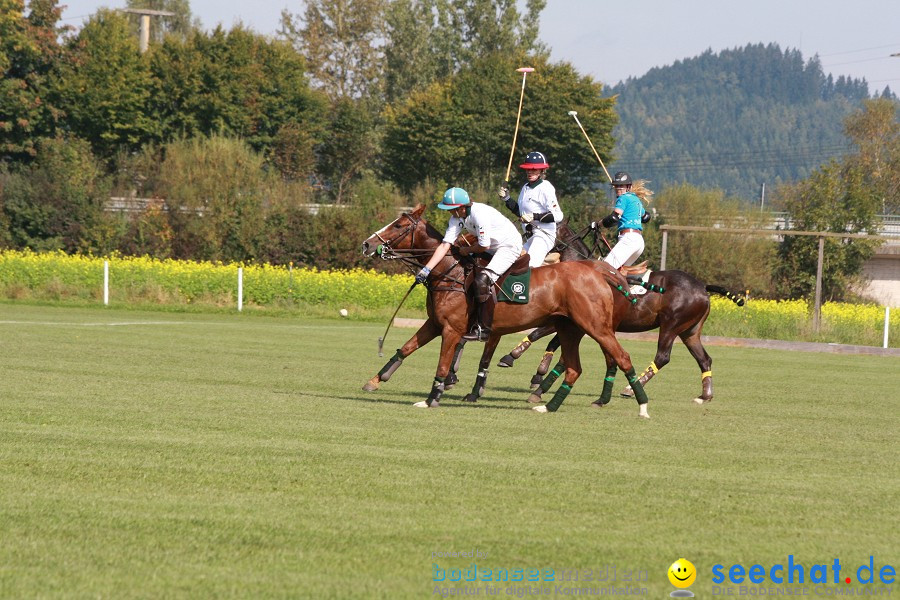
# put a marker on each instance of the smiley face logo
(682, 573)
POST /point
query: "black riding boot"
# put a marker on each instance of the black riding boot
(485, 301)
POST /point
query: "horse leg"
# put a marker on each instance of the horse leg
(546, 383)
(691, 339)
(427, 332)
(545, 362)
(486, 355)
(525, 344)
(608, 382)
(613, 348)
(449, 340)
(663, 355)
(571, 338)
(452, 377)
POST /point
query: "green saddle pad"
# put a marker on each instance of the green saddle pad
(515, 288)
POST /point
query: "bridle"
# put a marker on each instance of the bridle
(409, 256)
(581, 235)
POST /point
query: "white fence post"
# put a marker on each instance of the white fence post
(887, 324)
(240, 289)
(105, 283)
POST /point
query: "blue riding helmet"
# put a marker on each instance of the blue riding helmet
(454, 198)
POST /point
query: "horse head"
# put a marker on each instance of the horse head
(399, 233)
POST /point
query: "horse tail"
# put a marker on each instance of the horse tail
(717, 289)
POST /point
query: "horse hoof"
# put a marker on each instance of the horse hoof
(372, 384)
(424, 404)
(535, 399)
(506, 361)
(452, 379)
(597, 404)
(643, 412)
(540, 409)
(627, 392)
(470, 398)
(702, 400)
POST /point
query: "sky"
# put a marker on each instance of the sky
(612, 40)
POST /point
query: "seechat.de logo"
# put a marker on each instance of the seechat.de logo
(682, 574)
(795, 572)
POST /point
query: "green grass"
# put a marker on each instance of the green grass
(149, 454)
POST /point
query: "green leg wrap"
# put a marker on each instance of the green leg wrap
(639, 394)
(608, 383)
(558, 397)
(551, 377)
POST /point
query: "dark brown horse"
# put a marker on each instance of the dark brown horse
(680, 311)
(575, 297)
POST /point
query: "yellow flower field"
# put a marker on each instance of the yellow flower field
(142, 280)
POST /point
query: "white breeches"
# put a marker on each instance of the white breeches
(626, 251)
(503, 259)
(539, 245)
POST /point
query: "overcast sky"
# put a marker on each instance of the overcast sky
(616, 39)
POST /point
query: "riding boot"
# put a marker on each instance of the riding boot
(485, 300)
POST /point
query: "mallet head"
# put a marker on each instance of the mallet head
(573, 113)
(525, 70)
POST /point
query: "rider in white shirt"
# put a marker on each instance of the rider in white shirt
(537, 208)
(496, 236)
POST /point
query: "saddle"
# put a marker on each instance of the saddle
(513, 285)
(633, 270)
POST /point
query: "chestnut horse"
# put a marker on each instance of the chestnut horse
(576, 297)
(680, 311)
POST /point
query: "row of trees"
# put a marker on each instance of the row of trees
(385, 105)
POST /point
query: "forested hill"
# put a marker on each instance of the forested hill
(733, 120)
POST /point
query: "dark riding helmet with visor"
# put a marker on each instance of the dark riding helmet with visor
(621, 178)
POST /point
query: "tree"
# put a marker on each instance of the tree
(57, 201)
(430, 40)
(234, 83)
(842, 196)
(350, 145)
(340, 41)
(214, 190)
(105, 87)
(460, 130)
(875, 132)
(29, 54)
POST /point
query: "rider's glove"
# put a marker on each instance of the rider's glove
(526, 217)
(422, 276)
(503, 192)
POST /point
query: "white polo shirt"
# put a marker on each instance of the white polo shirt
(494, 231)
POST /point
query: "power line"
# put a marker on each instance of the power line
(860, 50)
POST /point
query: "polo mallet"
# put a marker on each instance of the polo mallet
(524, 71)
(391, 322)
(575, 116)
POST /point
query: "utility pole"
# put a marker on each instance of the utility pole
(146, 13)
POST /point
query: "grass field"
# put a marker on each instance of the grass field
(165, 455)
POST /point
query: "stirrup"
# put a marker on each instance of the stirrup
(477, 334)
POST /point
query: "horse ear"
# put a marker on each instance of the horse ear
(418, 210)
